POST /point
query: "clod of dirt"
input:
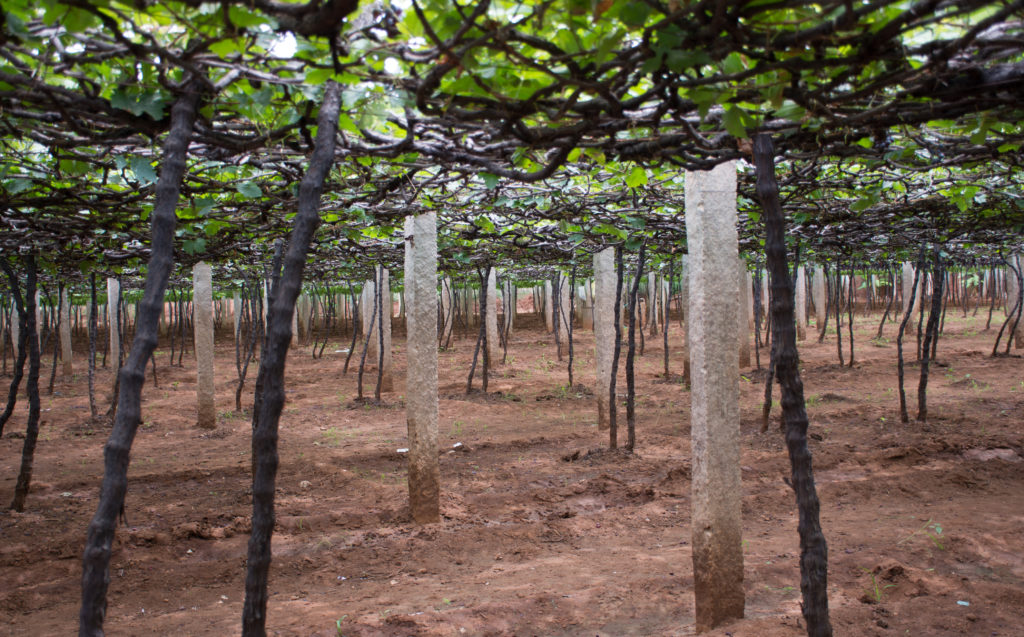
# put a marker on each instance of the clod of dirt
(984, 455)
(571, 457)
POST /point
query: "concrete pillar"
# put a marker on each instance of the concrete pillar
(748, 284)
(765, 290)
(387, 382)
(715, 419)
(113, 287)
(818, 296)
(549, 322)
(587, 315)
(604, 330)
(652, 302)
(684, 300)
(421, 371)
(743, 317)
(509, 303)
(493, 345)
(202, 300)
(369, 321)
(565, 298)
(15, 330)
(236, 310)
(1012, 293)
(801, 303)
(447, 309)
(295, 326)
(907, 282)
(65, 331)
(266, 301)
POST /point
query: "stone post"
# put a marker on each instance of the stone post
(549, 322)
(113, 288)
(715, 419)
(744, 315)
(684, 301)
(587, 313)
(369, 320)
(447, 313)
(652, 302)
(818, 296)
(15, 330)
(421, 375)
(604, 330)
(509, 304)
(236, 311)
(565, 297)
(266, 301)
(765, 289)
(493, 345)
(387, 382)
(65, 331)
(749, 287)
(907, 282)
(801, 303)
(1012, 293)
(202, 302)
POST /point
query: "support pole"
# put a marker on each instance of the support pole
(715, 420)
(421, 384)
(202, 303)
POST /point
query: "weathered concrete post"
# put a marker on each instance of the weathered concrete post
(748, 286)
(370, 320)
(65, 331)
(715, 419)
(236, 310)
(548, 308)
(684, 300)
(587, 313)
(743, 317)
(604, 330)
(907, 281)
(1012, 294)
(818, 296)
(421, 374)
(765, 289)
(202, 303)
(387, 382)
(447, 313)
(509, 295)
(493, 345)
(113, 290)
(652, 303)
(801, 303)
(15, 331)
(564, 314)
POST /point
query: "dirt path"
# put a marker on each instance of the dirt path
(925, 522)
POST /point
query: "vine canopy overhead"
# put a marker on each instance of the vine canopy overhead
(539, 131)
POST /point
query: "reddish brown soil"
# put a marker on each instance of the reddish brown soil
(925, 522)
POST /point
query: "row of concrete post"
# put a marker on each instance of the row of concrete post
(717, 343)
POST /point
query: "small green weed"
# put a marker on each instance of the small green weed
(877, 590)
(930, 529)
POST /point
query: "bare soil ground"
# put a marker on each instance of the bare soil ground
(544, 533)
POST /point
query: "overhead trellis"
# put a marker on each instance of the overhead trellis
(922, 95)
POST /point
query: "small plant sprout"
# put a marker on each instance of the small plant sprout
(877, 590)
(932, 530)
